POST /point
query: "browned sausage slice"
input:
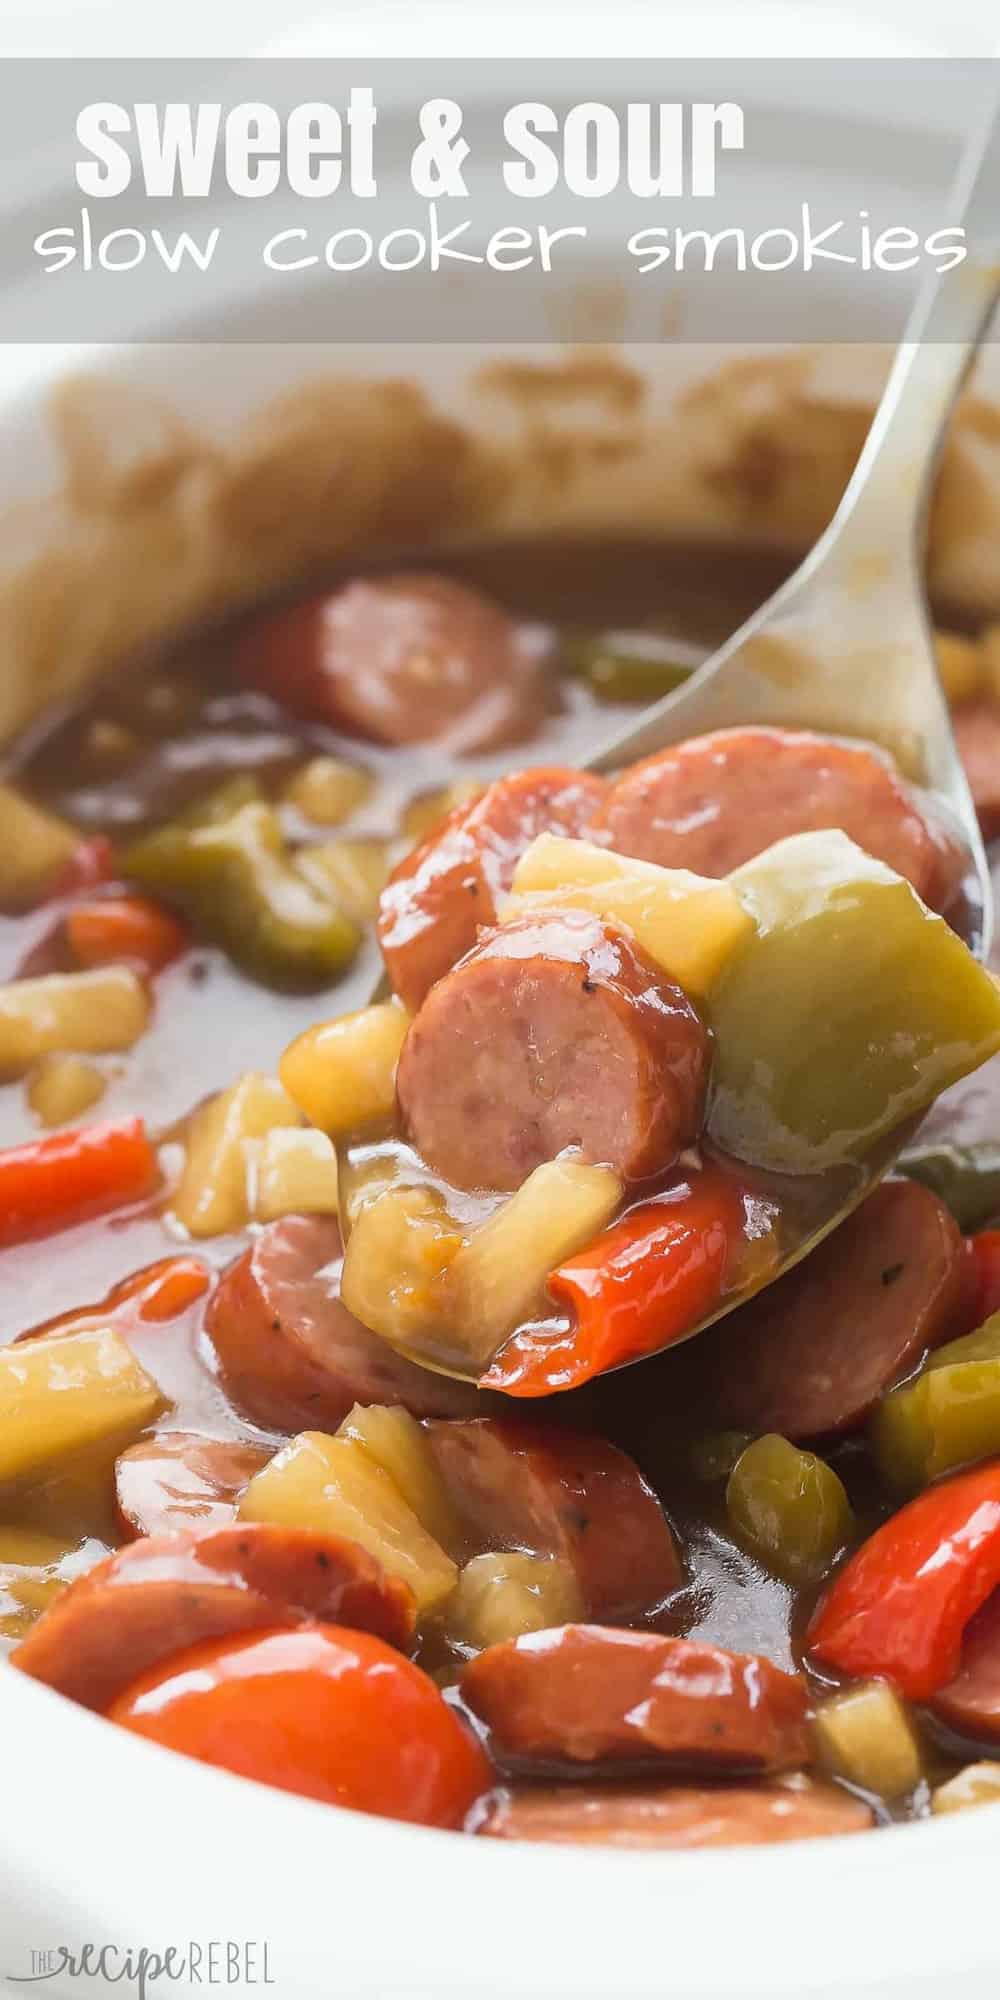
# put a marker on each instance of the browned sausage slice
(971, 1704)
(977, 734)
(715, 801)
(586, 1694)
(291, 1356)
(557, 1493)
(671, 1815)
(157, 1596)
(179, 1479)
(407, 658)
(817, 1349)
(556, 1032)
(439, 896)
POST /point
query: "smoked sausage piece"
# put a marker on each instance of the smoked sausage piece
(814, 1352)
(290, 1355)
(971, 1703)
(556, 1032)
(179, 1479)
(560, 1493)
(157, 1596)
(586, 1694)
(715, 801)
(400, 659)
(439, 896)
(797, 1808)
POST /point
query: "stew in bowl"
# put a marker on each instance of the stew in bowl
(318, 1454)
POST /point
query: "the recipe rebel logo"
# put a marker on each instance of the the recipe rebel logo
(139, 1969)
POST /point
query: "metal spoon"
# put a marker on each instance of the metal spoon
(845, 644)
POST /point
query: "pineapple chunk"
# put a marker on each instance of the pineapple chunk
(92, 1013)
(367, 1172)
(30, 1548)
(865, 1736)
(399, 1444)
(428, 809)
(65, 1391)
(328, 791)
(211, 1198)
(448, 1299)
(687, 924)
(35, 846)
(498, 1276)
(334, 1484)
(977, 1785)
(399, 1249)
(294, 1172)
(34, 1569)
(61, 1088)
(502, 1596)
(343, 1072)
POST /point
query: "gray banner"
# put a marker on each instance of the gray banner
(464, 201)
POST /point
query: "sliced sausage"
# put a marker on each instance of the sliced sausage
(178, 1479)
(157, 1596)
(715, 801)
(588, 1694)
(556, 1032)
(671, 1815)
(977, 734)
(971, 1704)
(557, 1493)
(439, 896)
(813, 1352)
(291, 1356)
(407, 658)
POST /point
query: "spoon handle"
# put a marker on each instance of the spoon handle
(884, 504)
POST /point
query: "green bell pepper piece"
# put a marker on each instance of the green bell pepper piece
(949, 1416)
(713, 1454)
(628, 666)
(967, 1178)
(846, 1012)
(222, 802)
(232, 877)
(789, 1508)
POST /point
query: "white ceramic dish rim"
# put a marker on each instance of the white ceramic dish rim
(113, 1840)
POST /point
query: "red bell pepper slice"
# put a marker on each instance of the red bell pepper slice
(165, 1290)
(640, 1286)
(51, 1183)
(900, 1606)
(124, 930)
(158, 1292)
